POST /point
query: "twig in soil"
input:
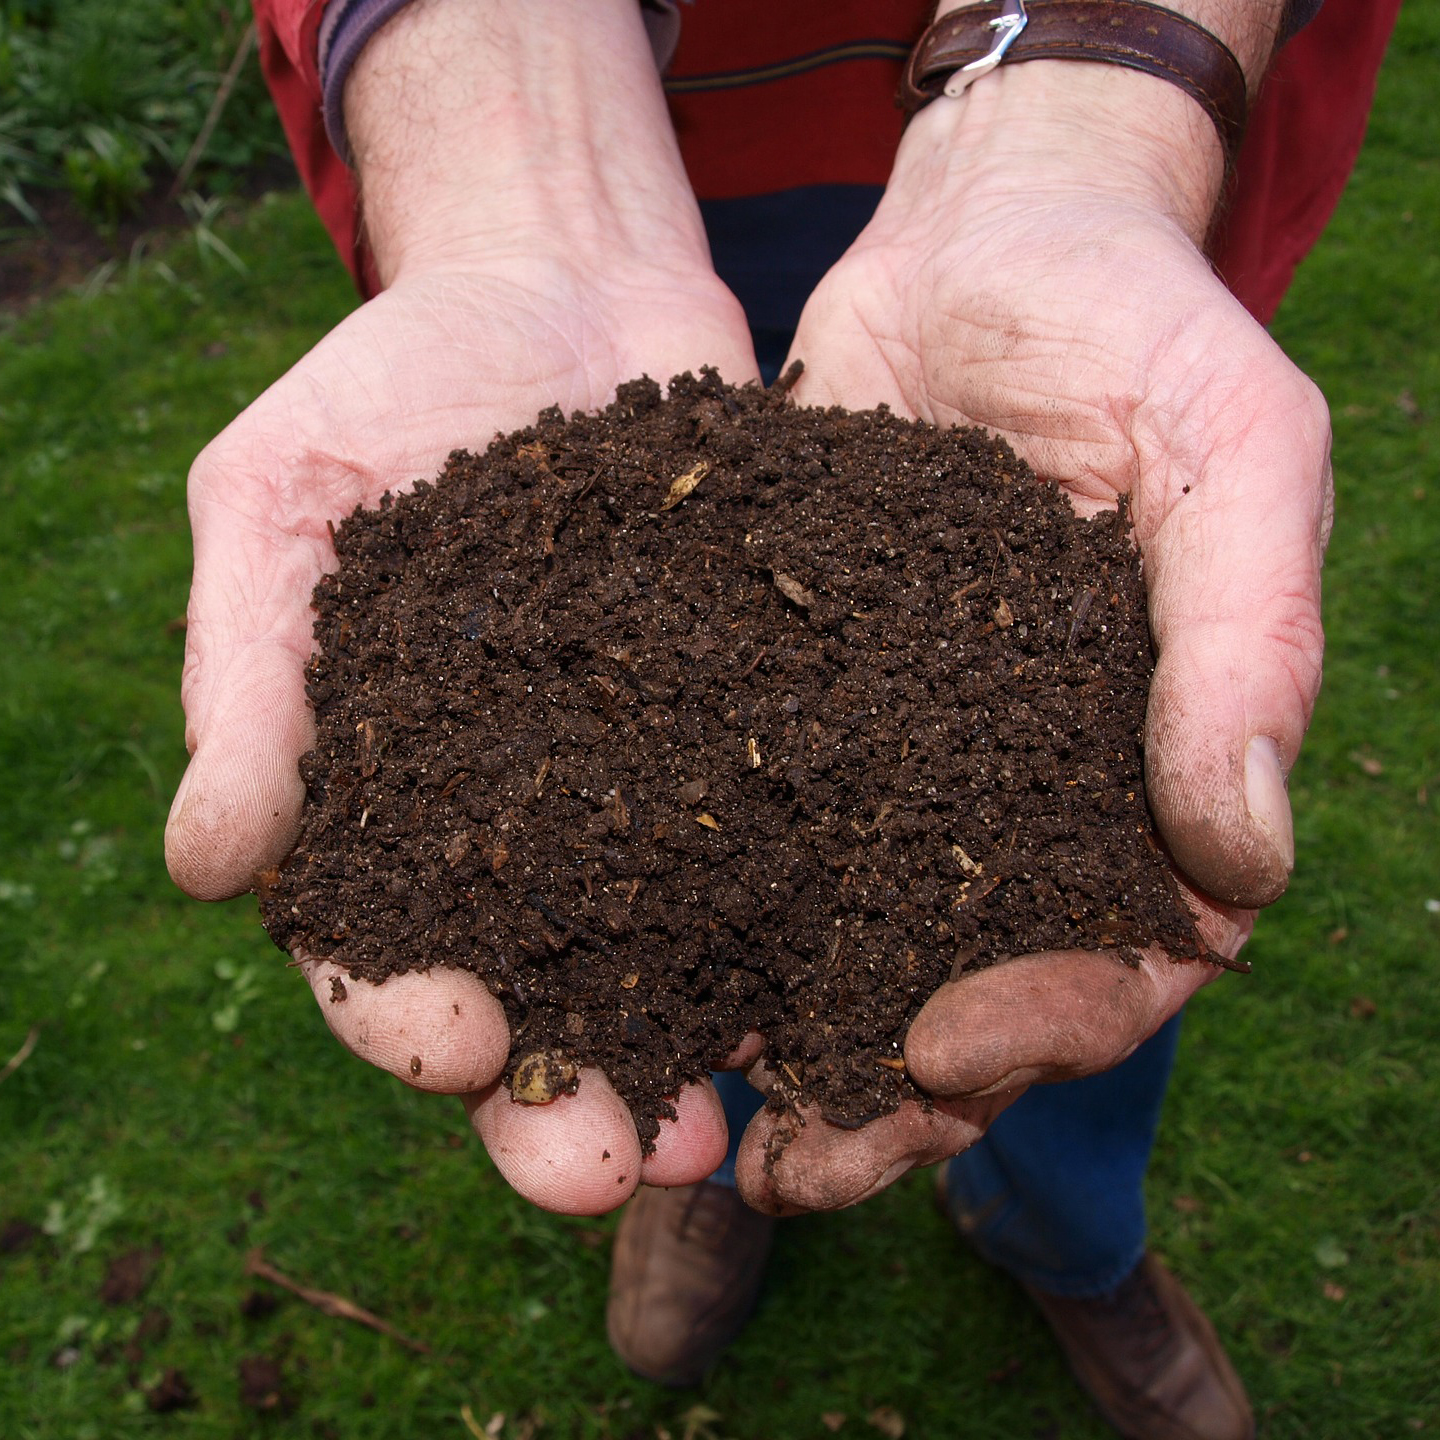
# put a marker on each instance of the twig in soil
(327, 1303)
(786, 382)
(999, 551)
(710, 378)
(536, 901)
(1080, 606)
(751, 667)
(1231, 963)
(21, 1055)
(565, 503)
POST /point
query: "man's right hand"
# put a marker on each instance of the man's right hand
(538, 245)
(1035, 267)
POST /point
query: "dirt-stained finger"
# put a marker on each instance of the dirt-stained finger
(577, 1155)
(237, 809)
(438, 1030)
(1042, 1018)
(689, 1147)
(795, 1162)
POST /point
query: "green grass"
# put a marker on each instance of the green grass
(184, 1092)
(103, 101)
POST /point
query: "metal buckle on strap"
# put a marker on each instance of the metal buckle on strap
(1007, 26)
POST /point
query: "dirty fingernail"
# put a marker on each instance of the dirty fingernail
(891, 1175)
(1265, 796)
(1019, 1079)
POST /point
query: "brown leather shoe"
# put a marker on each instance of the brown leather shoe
(684, 1277)
(1151, 1360)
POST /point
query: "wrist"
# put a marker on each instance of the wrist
(1055, 129)
(484, 127)
(1148, 128)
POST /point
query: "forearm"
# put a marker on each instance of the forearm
(516, 124)
(1081, 125)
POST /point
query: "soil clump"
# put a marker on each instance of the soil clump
(708, 714)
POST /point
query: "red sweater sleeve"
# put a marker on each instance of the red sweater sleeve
(766, 106)
(288, 32)
(1300, 146)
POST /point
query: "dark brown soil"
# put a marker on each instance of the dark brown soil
(129, 1275)
(709, 714)
(17, 1236)
(66, 247)
(154, 1326)
(171, 1392)
(262, 1385)
(258, 1305)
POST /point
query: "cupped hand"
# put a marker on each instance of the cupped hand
(443, 359)
(1080, 320)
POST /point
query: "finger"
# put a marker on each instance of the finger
(689, 1147)
(578, 1155)
(1044, 1017)
(1232, 559)
(237, 810)
(258, 554)
(796, 1162)
(745, 1054)
(439, 1030)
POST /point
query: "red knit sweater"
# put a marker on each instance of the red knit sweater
(803, 94)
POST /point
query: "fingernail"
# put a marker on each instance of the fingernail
(1266, 799)
(892, 1174)
(1025, 1075)
(895, 1171)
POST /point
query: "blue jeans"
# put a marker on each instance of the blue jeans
(1054, 1191)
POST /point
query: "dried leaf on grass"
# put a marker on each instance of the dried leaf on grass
(128, 1275)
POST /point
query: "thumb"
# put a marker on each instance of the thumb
(237, 810)
(1233, 570)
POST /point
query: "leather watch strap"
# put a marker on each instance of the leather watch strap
(1132, 33)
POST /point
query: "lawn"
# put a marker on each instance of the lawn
(184, 1100)
(104, 107)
